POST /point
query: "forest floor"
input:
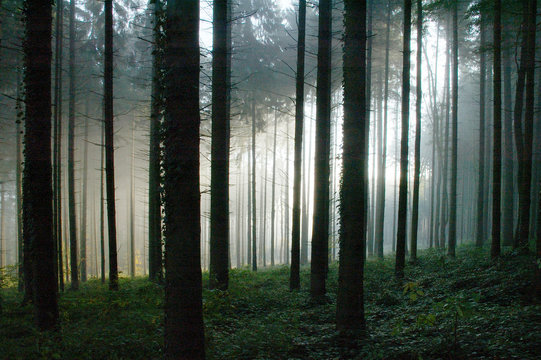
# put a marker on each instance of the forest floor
(463, 308)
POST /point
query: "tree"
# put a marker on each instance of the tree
(71, 153)
(109, 144)
(294, 280)
(219, 200)
(417, 165)
(403, 189)
(480, 233)
(320, 232)
(154, 180)
(37, 181)
(497, 158)
(184, 334)
(350, 303)
(454, 139)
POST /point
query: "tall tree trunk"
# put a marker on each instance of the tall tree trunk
(3, 248)
(525, 162)
(286, 209)
(480, 233)
(71, 153)
(320, 232)
(350, 303)
(294, 280)
(380, 205)
(403, 190)
(132, 202)
(184, 333)
(273, 201)
(417, 165)
(37, 181)
(263, 220)
(102, 199)
(497, 160)
(306, 188)
(254, 208)
(249, 212)
(154, 179)
(83, 248)
(57, 146)
(219, 207)
(109, 145)
(18, 186)
(239, 218)
(454, 139)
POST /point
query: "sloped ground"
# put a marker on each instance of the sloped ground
(445, 309)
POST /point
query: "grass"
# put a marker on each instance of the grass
(463, 308)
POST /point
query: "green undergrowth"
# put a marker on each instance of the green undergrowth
(463, 308)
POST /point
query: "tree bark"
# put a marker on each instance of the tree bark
(320, 232)
(184, 333)
(350, 303)
(254, 208)
(219, 207)
(109, 145)
(417, 165)
(403, 190)
(37, 180)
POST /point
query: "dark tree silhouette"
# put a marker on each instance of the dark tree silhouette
(403, 190)
(219, 199)
(350, 304)
(497, 146)
(320, 231)
(294, 281)
(37, 181)
(480, 231)
(184, 334)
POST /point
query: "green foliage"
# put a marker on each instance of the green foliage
(463, 308)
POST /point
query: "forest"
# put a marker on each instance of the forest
(259, 179)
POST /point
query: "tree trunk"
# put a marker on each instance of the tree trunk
(320, 232)
(154, 201)
(219, 207)
(497, 160)
(37, 180)
(109, 145)
(71, 154)
(273, 199)
(249, 213)
(480, 233)
(184, 333)
(350, 303)
(19, 189)
(102, 199)
(254, 208)
(380, 205)
(403, 190)
(132, 203)
(294, 280)
(417, 165)
(83, 248)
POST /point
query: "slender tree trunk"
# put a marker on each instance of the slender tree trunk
(306, 189)
(249, 212)
(380, 205)
(184, 331)
(273, 198)
(18, 185)
(239, 218)
(3, 248)
(350, 303)
(109, 145)
(83, 249)
(132, 203)
(254, 208)
(417, 165)
(294, 280)
(496, 177)
(154, 201)
(454, 140)
(286, 209)
(403, 191)
(320, 232)
(219, 207)
(102, 199)
(37, 181)
(71, 153)
(480, 233)
(263, 220)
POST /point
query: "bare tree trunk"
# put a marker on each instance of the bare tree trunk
(403, 190)
(417, 165)
(496, 177)
(37, 181)
(294, 280)
(83, 234)
(350, 303)
(254, 208)
(19, 189)
(109, 145)
(132, 202)
(320, 232)
(183, 329)
(273, 201)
